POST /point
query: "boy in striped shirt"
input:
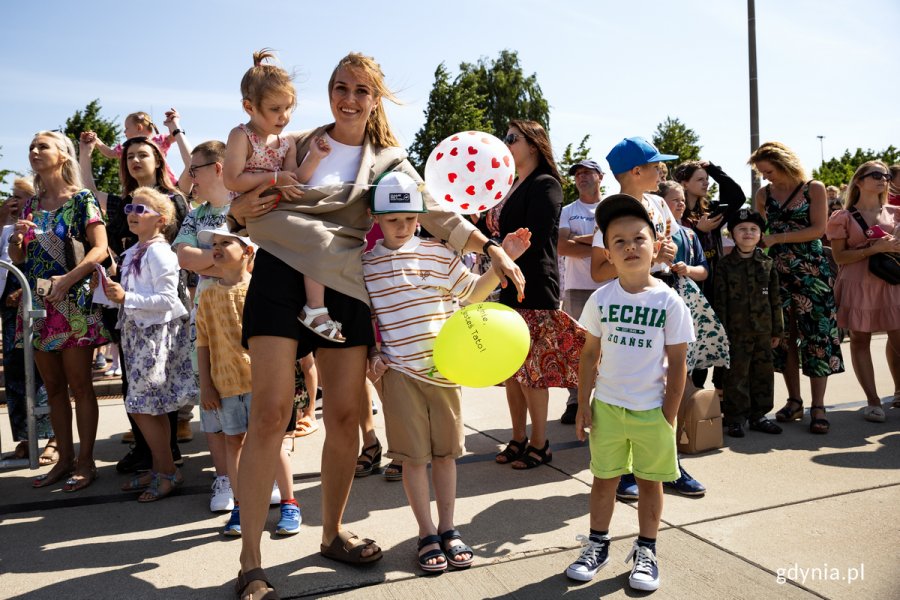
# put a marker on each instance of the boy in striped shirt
(414, 285)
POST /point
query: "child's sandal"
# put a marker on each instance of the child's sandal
(513, 452)
(328, 329)
(534, 457)
(451, 550)
(153, 493)
(431, 554)
(369, 458)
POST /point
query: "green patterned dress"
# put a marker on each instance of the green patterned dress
(73, 322)
(807, 296)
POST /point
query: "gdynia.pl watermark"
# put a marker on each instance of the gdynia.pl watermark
(824, 573)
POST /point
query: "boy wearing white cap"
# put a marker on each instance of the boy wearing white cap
(412, 284)
(224, 365)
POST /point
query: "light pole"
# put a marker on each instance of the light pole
(754, 95)
(821, 149)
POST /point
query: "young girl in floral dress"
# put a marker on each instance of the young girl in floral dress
(155, 338)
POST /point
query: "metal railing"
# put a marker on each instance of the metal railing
(28, 316)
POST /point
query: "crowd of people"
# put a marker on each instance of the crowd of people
(280, 262)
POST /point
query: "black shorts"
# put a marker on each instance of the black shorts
(275, 298)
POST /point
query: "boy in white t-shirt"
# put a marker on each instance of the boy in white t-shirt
(642, 328)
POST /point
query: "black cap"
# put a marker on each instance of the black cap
(745, 215)
(587, 164)
(621, 205)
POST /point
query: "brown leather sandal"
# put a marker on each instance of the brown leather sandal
(245, 579)
(348, 547)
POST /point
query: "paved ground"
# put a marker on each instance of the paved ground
(816, 509)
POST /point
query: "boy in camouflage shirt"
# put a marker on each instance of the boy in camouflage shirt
(748, 304)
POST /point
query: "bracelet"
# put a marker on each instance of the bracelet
(177, 131)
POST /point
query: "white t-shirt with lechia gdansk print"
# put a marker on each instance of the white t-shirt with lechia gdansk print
(634, 330)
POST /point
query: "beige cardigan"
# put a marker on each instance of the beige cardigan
(324, 236)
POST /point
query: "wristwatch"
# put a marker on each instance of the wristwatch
(177, 131)
(490, 242)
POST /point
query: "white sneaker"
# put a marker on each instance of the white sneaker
(222, 499)
(645, 572)
(276, 495)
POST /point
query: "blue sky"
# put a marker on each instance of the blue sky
(608, 69)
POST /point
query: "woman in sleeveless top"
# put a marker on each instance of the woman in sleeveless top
(796, 212)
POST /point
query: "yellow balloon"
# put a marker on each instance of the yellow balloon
(482, 345)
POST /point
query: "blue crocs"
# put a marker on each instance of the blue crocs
(233, 527)
(627, 491)
(289, 524)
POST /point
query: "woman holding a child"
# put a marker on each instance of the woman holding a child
(323, 236)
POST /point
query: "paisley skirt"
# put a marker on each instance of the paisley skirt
(556, 343)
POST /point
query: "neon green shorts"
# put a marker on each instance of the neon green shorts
(632, 441)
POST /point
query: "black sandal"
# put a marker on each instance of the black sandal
(437, 567)
(451, 550)
(514, 451)
(765, 425)
(819, 426)
(369, 458)
(787, 414)
(534, 458)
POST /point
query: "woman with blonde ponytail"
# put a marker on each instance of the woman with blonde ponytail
(333, 216)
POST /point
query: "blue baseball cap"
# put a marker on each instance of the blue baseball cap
(633, 152)
(587, 164)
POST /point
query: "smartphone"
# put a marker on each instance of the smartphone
(717, 209)
(43, 287)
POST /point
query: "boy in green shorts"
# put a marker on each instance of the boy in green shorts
(642, 328)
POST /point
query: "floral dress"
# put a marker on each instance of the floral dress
(157, 357)
(807, 299)
(72, 322)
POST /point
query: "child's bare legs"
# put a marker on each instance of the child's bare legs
(415, 484)
(216, 444)
(311, 377)
(650, 506)
(603, 502)
(443, 476)
(892, 350)
(284, 475)
(156, 431)
(315, 301)
(233, 445)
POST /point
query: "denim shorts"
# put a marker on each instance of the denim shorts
(231, 418)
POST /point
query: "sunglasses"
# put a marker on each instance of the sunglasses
(512, 138)
(192, 170)
(139, 209)
(877, 175)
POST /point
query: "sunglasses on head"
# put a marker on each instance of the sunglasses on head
(512, 138)
(877, 175)
(139, 209)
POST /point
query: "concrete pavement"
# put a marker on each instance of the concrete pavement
(816, 509)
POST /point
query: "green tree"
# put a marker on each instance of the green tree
(570, 156)
(674, 137)
(4, 173)
(505, 92)
(452, 107)
(106, 170)
(839, 170)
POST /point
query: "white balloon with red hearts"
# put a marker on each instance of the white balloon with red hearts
(469, 172)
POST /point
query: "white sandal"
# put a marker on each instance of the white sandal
(329, 329)
(875, 414)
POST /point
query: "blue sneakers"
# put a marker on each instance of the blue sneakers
(685, 485)
(627, 491)
(233, 527)
(289, 524)
(645, 571)
(594, 556)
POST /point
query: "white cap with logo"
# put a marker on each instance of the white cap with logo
(397, 192)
